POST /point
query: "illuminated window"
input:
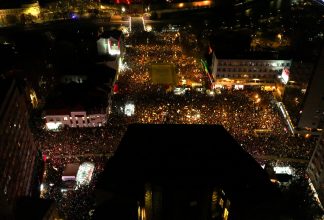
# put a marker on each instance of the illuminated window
(65, 118)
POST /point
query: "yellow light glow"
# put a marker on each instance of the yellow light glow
(225, 216)
(148, 28)
(139, 212)
(33, 98)
(221, 202)
(33, 10)
(202, 3)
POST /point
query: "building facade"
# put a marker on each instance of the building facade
(315, 169)
(75, 119)
(312, 116)
(241, 72)
(17, 149)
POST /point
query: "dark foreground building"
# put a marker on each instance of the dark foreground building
(183, 172)
(36, 209)
(312, 117)
(17, 148)
(315, 169)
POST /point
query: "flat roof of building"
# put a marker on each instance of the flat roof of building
(171, 155)
(90, 95)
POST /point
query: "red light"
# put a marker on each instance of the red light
(115, 88)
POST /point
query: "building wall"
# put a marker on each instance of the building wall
(315, 169)
(17, 149)
(313, 110)
(247, 72)
(78, 119)
(163, 203)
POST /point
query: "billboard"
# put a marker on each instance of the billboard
(113, 46)
(84, 174)
(285, 75)
(129, 109)
(109, 46)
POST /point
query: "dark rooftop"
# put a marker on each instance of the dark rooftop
(232, 45)
(112, 33)
(91, 95)
(187, 155)
(34, 208)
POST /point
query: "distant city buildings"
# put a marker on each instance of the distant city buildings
(17, 149)
(24, 13)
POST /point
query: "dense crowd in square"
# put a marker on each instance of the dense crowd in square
(237, 110)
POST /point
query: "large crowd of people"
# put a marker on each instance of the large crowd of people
(251, 117)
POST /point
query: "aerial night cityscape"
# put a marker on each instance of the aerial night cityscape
(162, 109)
